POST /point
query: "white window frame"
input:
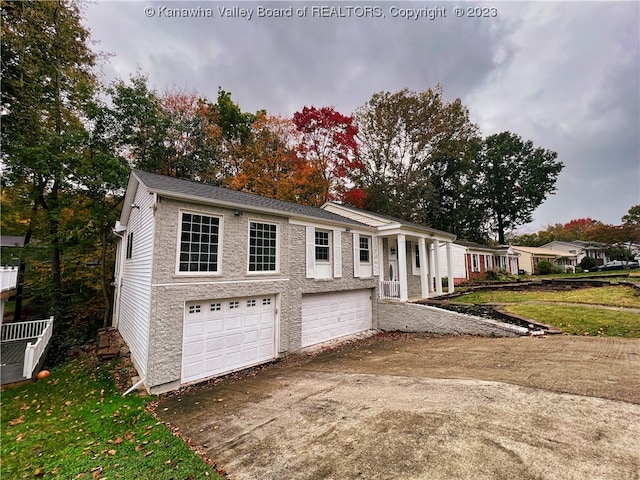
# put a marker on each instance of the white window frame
(475, 262)
(488, 262)
(218, 270)
(323, 269)
(415, 258)
(262, 272)
(328, 246)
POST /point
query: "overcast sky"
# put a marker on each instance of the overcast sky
(565, 75)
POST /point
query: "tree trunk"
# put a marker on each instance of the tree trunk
(500, 229)
(107, 293)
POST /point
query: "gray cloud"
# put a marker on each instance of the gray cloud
(565, 75)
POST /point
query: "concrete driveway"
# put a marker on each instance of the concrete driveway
(421, 407)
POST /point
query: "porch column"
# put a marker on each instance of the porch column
(450, 283)
(424, 271)
(402, 267)
(432, 277)
(380, 259)
(436, 257)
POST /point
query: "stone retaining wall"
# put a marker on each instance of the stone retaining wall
(411, 317)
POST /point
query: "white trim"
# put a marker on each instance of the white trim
(278, 230)
(215, 273)
(311, 251)
(337, 256)
(375, 252)
(222, 282)
(356, 255)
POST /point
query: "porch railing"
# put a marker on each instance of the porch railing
(8, 278)
(389, 289)
(40, 330)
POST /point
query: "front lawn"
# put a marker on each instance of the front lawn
(615, 296)
(581, 320)
(76, 424)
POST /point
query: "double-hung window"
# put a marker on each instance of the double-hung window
(322, 246)
(365, 252)
(199, 243)
(263, 238)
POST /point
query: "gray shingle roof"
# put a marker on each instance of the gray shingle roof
(209, 193)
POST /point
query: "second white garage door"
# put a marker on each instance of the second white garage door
(221, 336)
(326, 316)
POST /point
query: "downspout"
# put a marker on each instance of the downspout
(116, 307)
(134, 387)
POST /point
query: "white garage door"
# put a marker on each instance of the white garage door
(225, 335)
(326, 316)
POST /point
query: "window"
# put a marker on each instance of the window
(216, 307)
(487, 262)
(251, 303)
(199, 243)
(262, 247)
(322, 245)
(365, 254)
(266, 301)
(234, 305)
(475, 262)
(129, 245)
(194, 308)
(417, 255)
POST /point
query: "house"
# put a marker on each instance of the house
(531, 256)
(210, 280)
(507, 259)
(479, 259)
(581, 249)
(458, 261)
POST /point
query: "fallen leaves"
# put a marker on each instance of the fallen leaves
(16, 421)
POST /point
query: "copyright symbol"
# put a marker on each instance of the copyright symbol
(458, 11)
(149, 11)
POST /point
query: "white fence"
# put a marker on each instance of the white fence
(41, 330)
(8, 278)
(389, 289)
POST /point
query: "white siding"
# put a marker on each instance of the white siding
(457, 260)
(135, 292)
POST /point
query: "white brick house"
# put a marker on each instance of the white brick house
(210, 280)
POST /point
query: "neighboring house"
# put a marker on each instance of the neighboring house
(458, 261)
(479, 259)
(505, 257)
(581, 249)
(531, 256)
(210, 280)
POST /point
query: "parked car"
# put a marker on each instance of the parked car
(618, 265)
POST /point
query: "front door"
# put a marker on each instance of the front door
(392, 268)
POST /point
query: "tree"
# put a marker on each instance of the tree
(632, 220)
(515, 178)
(328, 141)
(272, 167)
(418, 153)
(47, 82)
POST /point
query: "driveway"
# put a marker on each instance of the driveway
(422, 407)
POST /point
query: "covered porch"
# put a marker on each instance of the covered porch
(411, 266)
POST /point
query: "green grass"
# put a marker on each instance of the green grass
(76, 424)
(610, 296)
(582, 320)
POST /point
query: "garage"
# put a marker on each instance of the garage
(326, 316)
(221, 336)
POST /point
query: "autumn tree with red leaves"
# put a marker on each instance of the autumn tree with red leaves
(329, 142)
(271, 165)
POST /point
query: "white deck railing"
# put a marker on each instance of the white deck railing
(41, 330)
(389, 289)
(23, 330)
(8, 278)
(33, 352)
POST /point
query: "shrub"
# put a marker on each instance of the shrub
(545, 267)
(588, 263)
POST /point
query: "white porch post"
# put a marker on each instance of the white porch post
(432, 277)
(380, 259)
(402, 267)
(450, 282)
(424, 271)
(436, 256)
